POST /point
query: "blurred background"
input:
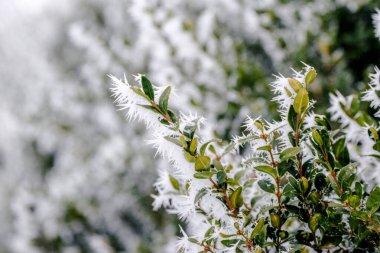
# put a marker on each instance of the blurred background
(75, 176)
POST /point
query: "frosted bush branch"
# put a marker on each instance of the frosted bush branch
(297, 171)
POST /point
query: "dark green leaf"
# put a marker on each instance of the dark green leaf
(303, 237)
(373, 201)
(330, 241)
(147, 87)
(262, 236)
(341, 152)
(221, 177)
(292, 118)
(230, 242)
(172, 116)
(355, 105)
(266, 185)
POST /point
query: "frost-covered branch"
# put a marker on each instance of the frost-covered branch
(298, 171)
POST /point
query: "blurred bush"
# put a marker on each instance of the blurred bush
(70, 178)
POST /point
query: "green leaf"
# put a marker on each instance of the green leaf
(320, 181)
(289, 191)
(209, 232)
(275, 220)
(193, 146)
(258, 227)
(373, 201)
(317, 138)
(229, 148)
(326, 139)
(204, 146)
(358, 189)
(200, 194)
(330, 241)
(189, 131)
(236, 198)
(268, 170)
(310, 77)
(284, 166)
(287, 91)
(266, 185)
(189, 157)
(290, 153)
(294, 183)
(314, 221)
(347, 175)
(221, 177)
(304, 184)
(147, 87)
(262, 236)
(218, 165)
(301, 101)
(295, 84)
(149, 107)
(173, 140)
(174, 182)
(202, 163)
(259, 125)
(322, 120)
(172, 115)
(354, 201)
(374, 133)
(183, 141)
(193, 240)
(265, 148)
(204, 174)
(376, 146)
(292, 118)
(360, 215)
(314, 197)
(246, 139)
(226, 235)
(139, 92)
(303, 237)
(230, 242)
(164, 99)
(212, 149)
(341, 152)
(355, 105)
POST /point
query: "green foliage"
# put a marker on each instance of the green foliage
(323, 194)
